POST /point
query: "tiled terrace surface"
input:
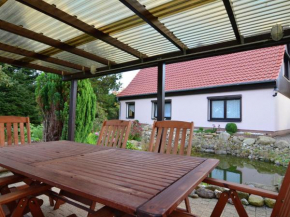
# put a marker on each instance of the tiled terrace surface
(202, 207)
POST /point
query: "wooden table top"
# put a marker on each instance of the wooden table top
(136, 182)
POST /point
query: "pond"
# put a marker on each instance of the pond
(243, 170)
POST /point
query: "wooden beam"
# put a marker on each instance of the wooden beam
(250, 43)
(153, 21)
(9, 27)
(2, 2)
(73, 21)
(161, 11)
(72, 110)
(32, 66)
(232, 17)
(31, 54)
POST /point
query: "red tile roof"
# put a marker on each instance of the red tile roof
(249, 66)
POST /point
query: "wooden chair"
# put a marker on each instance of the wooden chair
(162, 140)
(7, 123)
(114, 133)
(22, 199)
(281, 208)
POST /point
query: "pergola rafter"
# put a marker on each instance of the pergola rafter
(32, 66)
(161, 11)
(9, 27)
(73, 21)
(153, 21)
(232, 17)
(250, 43)
(34, 55)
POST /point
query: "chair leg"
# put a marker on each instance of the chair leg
(219, 207)
(92, 207)
(187, 205)
(20, 209)
(34, 207)
(238, 204)
(58, 202)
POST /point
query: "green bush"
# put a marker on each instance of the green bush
(92, 138)
(131, 146)
(231, 128)
(36, 133)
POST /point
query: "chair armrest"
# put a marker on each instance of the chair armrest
(18, 194)
(242, 188)
(11, 180)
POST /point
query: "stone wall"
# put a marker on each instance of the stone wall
(262, 148)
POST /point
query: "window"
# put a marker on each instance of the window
(167, 110)
(130, 110)
(226, 108)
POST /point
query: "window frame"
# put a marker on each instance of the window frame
(127, 110)
(224, 99)
(154, 102)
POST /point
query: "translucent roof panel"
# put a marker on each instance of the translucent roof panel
(256, 17)
(54, 66)
(107, 51)
(19, 41)
(10, 55)
(147, 40)
(200, 26)
(153, 3)
(19, 14)
(77, 59)
(94, 12)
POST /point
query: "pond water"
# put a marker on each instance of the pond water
(243, 170)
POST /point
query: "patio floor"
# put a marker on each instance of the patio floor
(202, 207)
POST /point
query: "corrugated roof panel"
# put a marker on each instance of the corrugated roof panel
(107, 51)
(19, 14)
(54, 66)
(200, 26)
(18, 41)
(97, 12)
(10, 55)
(77, 59)
(256, 17)
(144, 38)
(153, 3)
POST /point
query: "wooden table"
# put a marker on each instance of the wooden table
(136, 182)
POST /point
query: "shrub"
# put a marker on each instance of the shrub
(136, 131)
(231, 128)
(36, 133)
(92, 138)
(131, 146)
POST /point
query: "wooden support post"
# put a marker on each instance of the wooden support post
(160, 95)
(161, 92)
(72, 110)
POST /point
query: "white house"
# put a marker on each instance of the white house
(249, 88)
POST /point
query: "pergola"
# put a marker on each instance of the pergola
(81, 39)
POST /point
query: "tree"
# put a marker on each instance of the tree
(107, 105)
(17, 86)
(52, 95)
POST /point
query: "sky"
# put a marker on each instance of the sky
(127, 77)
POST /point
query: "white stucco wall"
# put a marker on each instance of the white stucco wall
(282, 112)
(260, 110)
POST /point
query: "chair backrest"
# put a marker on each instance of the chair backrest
(282, 206)
(169, 132)
(12, 135)
(114, 133)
